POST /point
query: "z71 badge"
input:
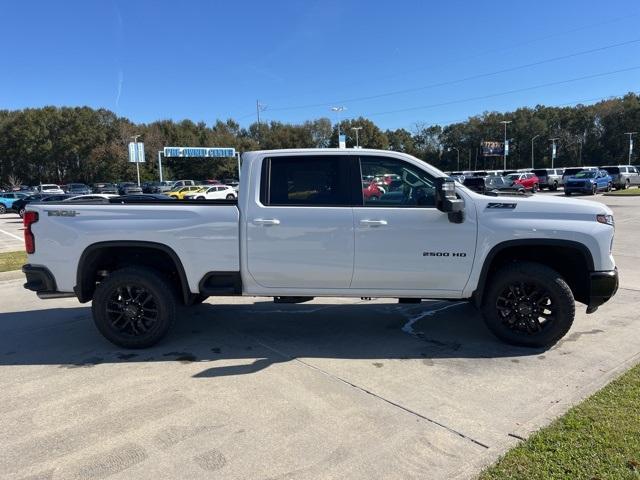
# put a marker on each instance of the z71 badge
(62, 213)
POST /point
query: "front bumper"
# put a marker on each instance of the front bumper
(602, 286)
(585, 188)
(42, 281)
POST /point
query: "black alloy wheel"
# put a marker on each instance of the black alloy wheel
(134, 307)
(132, 310)
(525, 308)
(528, 304)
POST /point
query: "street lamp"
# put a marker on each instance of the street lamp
(457, 150)
(631, 134)
(553, 150)
(135, 155)
(505, 123)
(357, 130)
(338, 110)
(532, 157)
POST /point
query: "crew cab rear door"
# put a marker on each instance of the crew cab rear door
(402, 242)
(300, 229)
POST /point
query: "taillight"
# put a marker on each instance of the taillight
(29, 240)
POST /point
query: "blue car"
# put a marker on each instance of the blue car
(7, 199)
(589, 182)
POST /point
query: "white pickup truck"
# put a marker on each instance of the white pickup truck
(328, 222)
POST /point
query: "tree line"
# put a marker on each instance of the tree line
(82, 144)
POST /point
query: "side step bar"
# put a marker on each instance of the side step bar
(292, 299)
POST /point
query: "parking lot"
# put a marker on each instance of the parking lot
(334, 388)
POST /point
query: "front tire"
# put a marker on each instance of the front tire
(3, 209)
(568, 194)
(134, 307)
(594, 190)
(627, 184)
(554, 187)
(528, 304)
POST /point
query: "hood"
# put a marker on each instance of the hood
(548, 206)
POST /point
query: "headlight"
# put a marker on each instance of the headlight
(606, 219)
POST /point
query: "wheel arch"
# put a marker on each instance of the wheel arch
(571, 259)
(106, 255)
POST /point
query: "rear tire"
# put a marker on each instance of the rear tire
(627, 184)
(594, 190)
(554, 187)
(528, 304)
(3, 209)
(21, 212)
(134, 307)
(230, 196)
(568, 194)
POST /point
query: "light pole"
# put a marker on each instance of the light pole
(337, 110)
(135, 155)
(553, 150)
(504, 151)
(357, 130)
(457, 150)
(532, 156)
(631, 134)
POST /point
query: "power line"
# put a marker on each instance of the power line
(459, 80)
(507, 92)
(511, 46)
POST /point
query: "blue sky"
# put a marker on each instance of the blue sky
(207, 60)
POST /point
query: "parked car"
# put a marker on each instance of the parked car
(477, 184)
(371, 191)
(8, 199)
(140, 197)
(623, 176)
(21, 205)
(156, 187)
(91, 197)
(550, 178)
(496, 184)
(182, 183)
(528, 180)
(215, 192)
(77, 189)
(301, 230)
(588, 181)
(105, 188)
(50, 188)
(180, 192)
(571, 171)
(128, 188)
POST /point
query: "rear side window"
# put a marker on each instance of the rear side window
(613, 170)
(306, 181)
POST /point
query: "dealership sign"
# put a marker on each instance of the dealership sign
(199, 152)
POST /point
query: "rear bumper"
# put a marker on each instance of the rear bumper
(602, 286)
(42, 281)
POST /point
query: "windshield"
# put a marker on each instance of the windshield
(585, 174)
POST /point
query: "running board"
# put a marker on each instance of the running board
(292, 299)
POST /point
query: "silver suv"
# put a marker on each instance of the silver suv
(549, 178)
(623, 176)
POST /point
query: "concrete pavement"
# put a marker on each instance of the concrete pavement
(244, 388)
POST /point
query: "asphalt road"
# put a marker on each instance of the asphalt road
(246, 389)
(11, 238)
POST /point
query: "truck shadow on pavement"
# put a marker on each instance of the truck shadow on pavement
(244, 339)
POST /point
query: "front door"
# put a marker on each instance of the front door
(300, 231)
(402, 242)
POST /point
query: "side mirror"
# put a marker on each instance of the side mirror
(447, 201)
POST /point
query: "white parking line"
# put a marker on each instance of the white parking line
(12, 235)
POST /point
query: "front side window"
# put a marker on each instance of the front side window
(306, 181)
(392, 182)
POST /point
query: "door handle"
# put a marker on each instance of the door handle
(373, 223)
(266, 221)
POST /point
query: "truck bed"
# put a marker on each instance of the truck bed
(204, 238)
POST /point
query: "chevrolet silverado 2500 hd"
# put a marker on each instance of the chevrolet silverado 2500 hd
(302, 228)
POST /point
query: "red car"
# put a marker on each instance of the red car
(528, 180)
(370, 191)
